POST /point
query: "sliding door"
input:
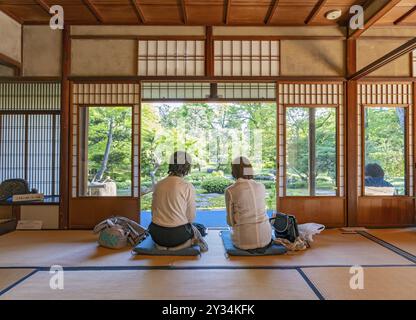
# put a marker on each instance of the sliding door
(311, 152)
(104, 153)
(385, 138)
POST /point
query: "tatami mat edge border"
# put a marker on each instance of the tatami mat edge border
(310, 284)
(389, 246)
(18, 282)
(173, 268)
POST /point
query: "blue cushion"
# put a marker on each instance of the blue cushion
(275, 249)
(148, 247)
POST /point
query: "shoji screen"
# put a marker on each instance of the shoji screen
(250, 91)
(175, 90)
(30, 134)
(171, 58)
(246, 58)
(157, 91)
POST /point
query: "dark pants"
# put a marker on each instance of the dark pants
(172, 237)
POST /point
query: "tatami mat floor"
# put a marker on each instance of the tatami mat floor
(321, 272)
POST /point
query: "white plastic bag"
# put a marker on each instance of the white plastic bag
(308, 230)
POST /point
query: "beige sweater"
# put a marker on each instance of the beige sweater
(246, 214)
(173, 202)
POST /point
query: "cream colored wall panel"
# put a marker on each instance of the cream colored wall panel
(103, 57)
(278, 31)
(312, 58)
(139, 30)
(42, 51)
(48, 214)
(369, 51)
(6, 71)
(11, 37)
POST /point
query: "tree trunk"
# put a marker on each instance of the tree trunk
(104, 163)
(401, 115)
(144, 191)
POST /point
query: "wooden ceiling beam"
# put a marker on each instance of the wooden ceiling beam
(405, 16)
(138, 10)
(271, 12)
(315, 11)
(9, 62)
(183, 11)
(380, 9)
(44, 6)
(227, 7)
(389, 57)
(93, 9)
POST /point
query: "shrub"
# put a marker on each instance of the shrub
(268, 184)
(218, 173)
(216, 184)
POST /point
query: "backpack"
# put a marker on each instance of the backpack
(285, 226)
(117, 232)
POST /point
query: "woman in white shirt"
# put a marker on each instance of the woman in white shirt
(173, 204)
(246, 209)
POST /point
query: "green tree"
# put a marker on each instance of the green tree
(109, 144)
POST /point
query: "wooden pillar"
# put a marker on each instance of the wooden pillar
(65, 114)
(209, 52)
(351, 92)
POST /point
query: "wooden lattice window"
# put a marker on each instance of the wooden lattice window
(171, 58)
(246, 57)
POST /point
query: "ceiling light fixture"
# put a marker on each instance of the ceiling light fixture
(333, 14)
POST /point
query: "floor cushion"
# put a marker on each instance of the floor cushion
(148, 247)
(275, 249)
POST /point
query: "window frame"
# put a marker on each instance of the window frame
(337, 150)
(79, 151)
(406, 149)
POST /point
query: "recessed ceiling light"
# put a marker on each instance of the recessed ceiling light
(333, 14)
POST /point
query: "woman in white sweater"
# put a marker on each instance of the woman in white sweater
(246, 209)
(173, 204)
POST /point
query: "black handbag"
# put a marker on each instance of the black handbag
(285, 226)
